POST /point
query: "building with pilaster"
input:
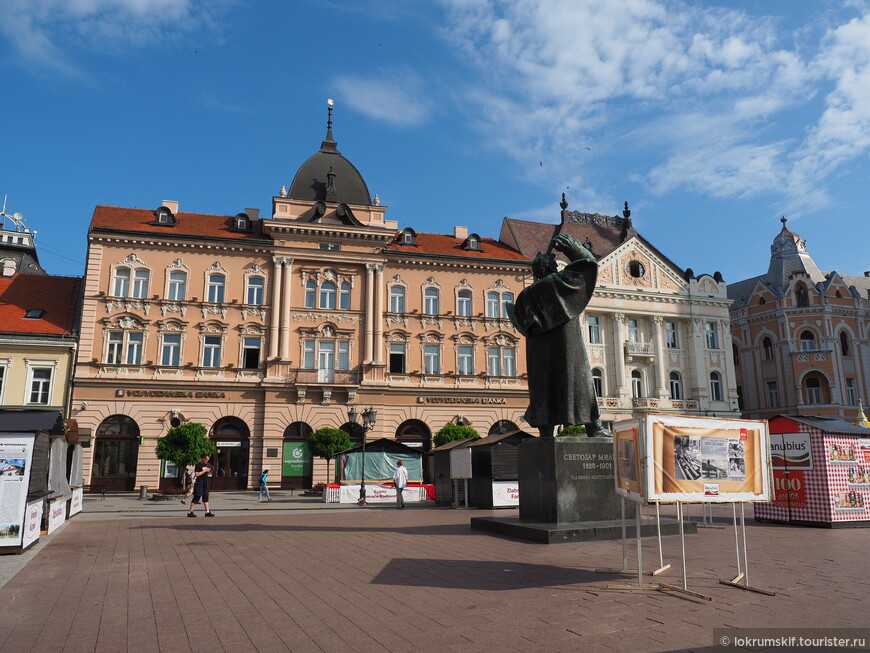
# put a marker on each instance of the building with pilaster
(801, 336)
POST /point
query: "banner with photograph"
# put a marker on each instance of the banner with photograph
(16, 457)
(627, 446)
(704, 459)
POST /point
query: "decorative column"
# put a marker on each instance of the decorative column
(662, 391)
(370, 311)
(379, 314)
(700, 365)
(619, 353)
(274, 314)
(285, 310)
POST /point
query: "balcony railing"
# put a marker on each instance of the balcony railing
(325, 377)
(811, 356)
(639, 348)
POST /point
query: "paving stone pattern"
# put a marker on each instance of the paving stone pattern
(410, 580)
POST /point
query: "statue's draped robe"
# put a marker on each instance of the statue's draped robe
(548, 314)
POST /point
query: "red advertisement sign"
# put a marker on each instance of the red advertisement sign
(789, 489)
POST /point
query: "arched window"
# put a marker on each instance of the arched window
(808, 341)
(216, 287)
(230, 460)
(502, 426)
(676, 385)
(415, 433)
(801, 296)
(310, 294)
(397, 299)
(636, 384)
(121, 284)
(116, 449)
(255, 290)
(177, 286)
(767, 349)
(327, 295)
(845, 349)
(344, 296)
(463, 303)
(715, 386)
(598, 382)
(430, 301)
(140, 283)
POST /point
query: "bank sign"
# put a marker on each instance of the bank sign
(791, 451)
(297, 459)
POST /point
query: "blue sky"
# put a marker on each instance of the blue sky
(711, 119)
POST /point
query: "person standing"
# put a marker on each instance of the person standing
(200, 486)
(264, 486)
(400, 478)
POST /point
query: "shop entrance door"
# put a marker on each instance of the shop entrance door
(116, 452)
(230, 459)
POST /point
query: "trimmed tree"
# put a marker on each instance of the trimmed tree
(326, 442)
(451, 432)
(184, 445)
(574, 429)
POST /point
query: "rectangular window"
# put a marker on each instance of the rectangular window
(676, 387)
(493, 361)
(308, 354)
(671, 340)
(121, 287)
(2, 380)
(397, 358)
(814, 395)
(772, 395)
(432, 359)
(211, 351)
(255, 291)
(430, 302)
(40, 385)
(177, 286)
(506, 298)
(134, 348)
(115, 347)
(594, 330)
(463, 303)
(492, 304)
(251, 353)
(633, 331)
(715, 387)
(330, 247)
(711, 335)
(343, 355)
(216, 288)
(466, 360)
(171, 352)
(397, 299)
(508, 357)
(140, 283)
(851, 392)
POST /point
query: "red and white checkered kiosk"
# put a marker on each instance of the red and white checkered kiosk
(821, 472)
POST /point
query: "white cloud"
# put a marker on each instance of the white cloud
(394, 96)
(710, 95)
(43, 32)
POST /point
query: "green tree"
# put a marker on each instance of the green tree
(185, 445)
(326, 442)
(451, 432)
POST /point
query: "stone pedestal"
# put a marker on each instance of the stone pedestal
(567, 480)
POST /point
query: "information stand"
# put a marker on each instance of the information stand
(16, 460)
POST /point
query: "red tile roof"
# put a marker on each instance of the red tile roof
(188, 224)
(57, 296)
(450, 246)
(534, 237)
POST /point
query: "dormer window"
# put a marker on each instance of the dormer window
(242, 222)
(472, 243)
(164, 217)
(34, 314)
(408, 237)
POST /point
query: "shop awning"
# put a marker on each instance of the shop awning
(30, 421)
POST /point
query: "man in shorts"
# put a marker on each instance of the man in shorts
(200, 486)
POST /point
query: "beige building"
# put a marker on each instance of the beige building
(264, 329)
(801, 336)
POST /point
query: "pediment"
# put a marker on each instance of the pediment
(635, 265)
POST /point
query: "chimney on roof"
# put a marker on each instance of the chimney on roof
(253, 214)
(172, 205)
(867, 273)
(460, 232)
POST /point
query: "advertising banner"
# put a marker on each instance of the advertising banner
(791, 451)
(505, 493)
(627, 446)
(56, 514)
(297, 460)
(380, 493)
(75, 506)
(32, 523)
(16, 458)
(704, 459)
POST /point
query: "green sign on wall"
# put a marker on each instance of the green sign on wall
(297, 459)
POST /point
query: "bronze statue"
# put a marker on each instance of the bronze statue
(547, 313)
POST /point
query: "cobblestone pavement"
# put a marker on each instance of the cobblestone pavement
(419, 579)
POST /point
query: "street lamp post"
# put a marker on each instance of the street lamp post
(369, 416)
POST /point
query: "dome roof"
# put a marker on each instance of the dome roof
(329, 177)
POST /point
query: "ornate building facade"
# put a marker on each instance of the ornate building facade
(801, 336)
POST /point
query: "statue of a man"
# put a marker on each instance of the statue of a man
(547, 313)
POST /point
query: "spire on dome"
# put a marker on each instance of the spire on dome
(329, 144)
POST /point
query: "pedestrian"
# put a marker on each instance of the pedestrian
(200, 486)
(400, 478)
(264, 486)
(187, 483)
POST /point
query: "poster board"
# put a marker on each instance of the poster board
(16, 460)
(628, 453)
(706, 459)
(56, 514)
(75, 505)
(505, 494)
(32, 524)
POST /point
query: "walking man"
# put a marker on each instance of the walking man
(400, 478)
(264, 487)
(200, 486)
